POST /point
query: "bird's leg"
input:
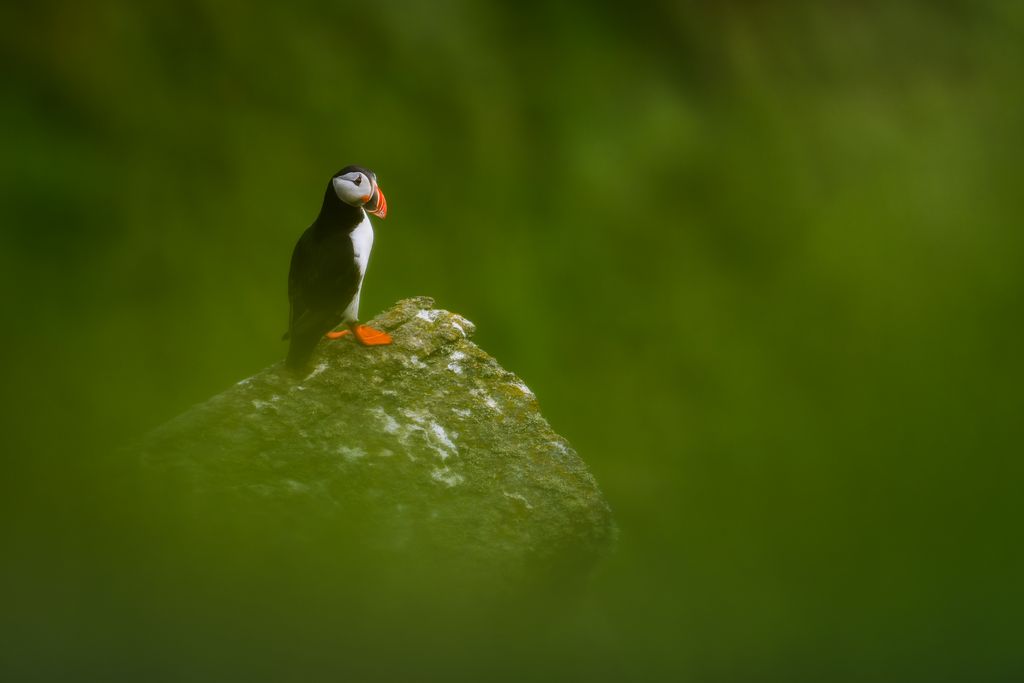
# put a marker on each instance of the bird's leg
(367, 336)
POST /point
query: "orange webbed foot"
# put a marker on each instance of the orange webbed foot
(368, 336)
(364, 334)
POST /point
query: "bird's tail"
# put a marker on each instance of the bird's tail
(300, 348)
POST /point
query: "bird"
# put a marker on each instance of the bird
(328, 265)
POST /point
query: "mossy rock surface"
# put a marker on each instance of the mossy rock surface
(426, 443)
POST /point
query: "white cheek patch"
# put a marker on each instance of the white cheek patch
(348, 191)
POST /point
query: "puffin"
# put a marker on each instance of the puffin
(328, 265)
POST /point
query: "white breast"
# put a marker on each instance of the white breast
(362, 243)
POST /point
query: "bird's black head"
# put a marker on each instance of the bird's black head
(357, 186)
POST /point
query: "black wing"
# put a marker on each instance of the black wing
(322, 280)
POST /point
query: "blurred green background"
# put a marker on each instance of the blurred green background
(761, 263)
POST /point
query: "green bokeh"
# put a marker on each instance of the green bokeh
(761, 263)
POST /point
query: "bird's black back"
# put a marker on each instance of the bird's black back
(323, 277)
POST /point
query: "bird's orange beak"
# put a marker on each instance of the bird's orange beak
(377, 205)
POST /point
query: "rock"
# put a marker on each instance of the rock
(427, 443)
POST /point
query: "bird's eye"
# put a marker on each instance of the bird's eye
(358, 181)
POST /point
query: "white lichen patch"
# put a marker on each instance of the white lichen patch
(487, 399)
(415, 363)
(417, 416)
(385, 453)
(388, 423)
(317, 370)
(441, 436)
(560, 447)
(446, 476)
(430, 316)
(259, 404)
(422, 423)
(351, 453)
(462, 325)
(462, 412)
(244, 382)
(455, 367)
(520, 497)
(521, 386)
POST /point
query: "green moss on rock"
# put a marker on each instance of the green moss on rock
(428, 442)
